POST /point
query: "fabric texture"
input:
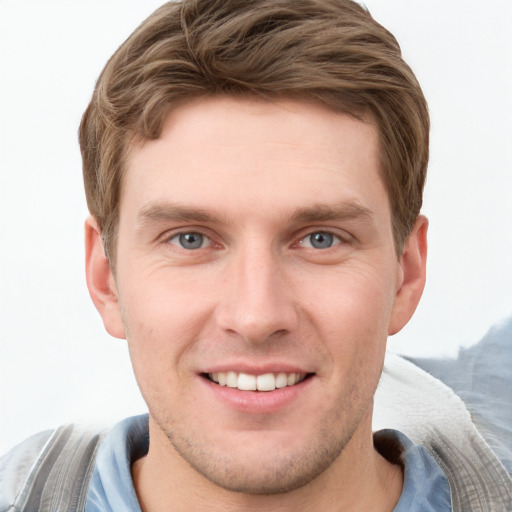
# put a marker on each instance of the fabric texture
(482, 376)
(426, 487)
(431, 414)
(111, 487)
(16, 466)
(50, 472)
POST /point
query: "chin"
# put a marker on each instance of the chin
(261, 468)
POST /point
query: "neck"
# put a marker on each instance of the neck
(360, 479)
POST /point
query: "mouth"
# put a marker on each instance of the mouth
(263, 382)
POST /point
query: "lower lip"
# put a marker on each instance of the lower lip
(258, 402)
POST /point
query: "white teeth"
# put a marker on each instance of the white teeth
(246, 382)
(231, 380)
(281, 380)
(264, 382)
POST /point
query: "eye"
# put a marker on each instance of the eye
(190, 241)
(320, 240)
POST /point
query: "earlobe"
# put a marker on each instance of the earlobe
(413, 273)
(100, 280)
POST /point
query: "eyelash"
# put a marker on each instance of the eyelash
(178, 236)
(335, 239)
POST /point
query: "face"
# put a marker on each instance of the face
(256, 283)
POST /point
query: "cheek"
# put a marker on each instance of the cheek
(166, 304)
(351, 297)
(163, 318)
(350, 309)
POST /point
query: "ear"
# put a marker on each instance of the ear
(412, 276)
(100, 280)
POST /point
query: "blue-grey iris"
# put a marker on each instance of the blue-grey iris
(191, 240)
(321, 240)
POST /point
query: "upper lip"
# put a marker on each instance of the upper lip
(257, 369)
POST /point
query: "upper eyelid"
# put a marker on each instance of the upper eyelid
(208, 240)
(338, 239)
(337, 232)
(186, 232)
(295, 237)
(174, 232)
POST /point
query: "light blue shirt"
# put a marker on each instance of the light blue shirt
(111, 488)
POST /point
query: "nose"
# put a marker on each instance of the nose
(257, 301)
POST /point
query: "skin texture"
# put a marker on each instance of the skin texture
(254, 180)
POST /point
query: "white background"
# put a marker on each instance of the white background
(57, 363)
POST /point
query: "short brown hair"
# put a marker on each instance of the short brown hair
(327, 51)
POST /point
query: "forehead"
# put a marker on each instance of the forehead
(245, 155)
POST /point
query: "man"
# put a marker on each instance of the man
(254, 174)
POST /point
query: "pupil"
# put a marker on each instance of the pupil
(321, 240)
(191, 240)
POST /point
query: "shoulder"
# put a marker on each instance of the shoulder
(481, 376)
(460, 411)
(16, 465)
(57, 461)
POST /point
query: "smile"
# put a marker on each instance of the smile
(264, 382)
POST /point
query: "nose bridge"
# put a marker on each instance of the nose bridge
(256, 304)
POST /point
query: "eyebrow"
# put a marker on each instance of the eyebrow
(323, 213)
(172, 212)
